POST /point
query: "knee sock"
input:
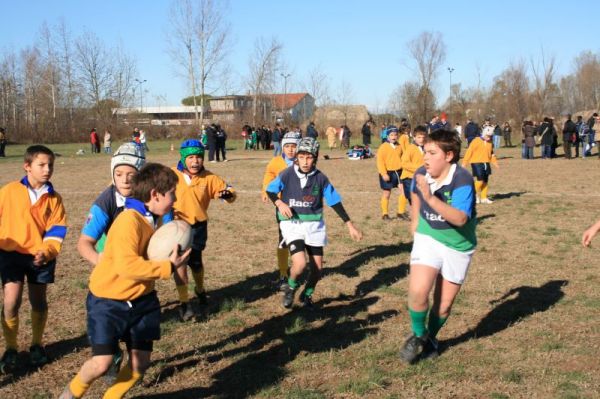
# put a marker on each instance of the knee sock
(312, 281)
(38, 325)
(282, 261)
(402, 204)
(484, 190)
(126, 379)
(435, 323)
(292, 283)
(182, 292)
(478, 187)
(199, 280)
(10, 328)
(417, 320)
(384, 205)
(77, 387)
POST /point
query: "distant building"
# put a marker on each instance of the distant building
(296, 106)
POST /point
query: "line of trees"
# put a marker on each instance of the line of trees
(525, 89)
(62, 85)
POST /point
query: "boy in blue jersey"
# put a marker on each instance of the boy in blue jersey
(300, 211)
(125, 163)
(443, 226)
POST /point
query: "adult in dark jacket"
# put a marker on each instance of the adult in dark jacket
(507, 130)
(366, 133)
(547, 133)
(591, 132)
(528, 139)
(569, 133)
(211, 141)
(221, 137)
(471, 131)
(311, 131)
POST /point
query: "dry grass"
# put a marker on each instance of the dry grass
(540, 341)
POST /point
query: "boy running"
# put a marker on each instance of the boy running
(300, 211)
(196, 186)
(277, 165)
(480, 154)
(122, 303)
(443, 226)
(33, 226)
(412, 159)
(389, 166)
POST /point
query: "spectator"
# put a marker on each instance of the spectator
(331, 134)
(276, 139)
(383, 134)
(143, 141)
(94, 141)
(592, 132)
(3, 141)
(497, 136)
(528, 140)
(546, 138)
(471, 131)
(569, 136)
(107, 142)
(458, 129)
(579, 126)
(221, 139)
(507, 130)
(211, 141)
(366, 133)
(346, 133)
(311, 131)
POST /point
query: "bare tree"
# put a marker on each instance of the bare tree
(264, 65)
(51, 76)
(428, 52)
(212, 34)
(317, 84)
(345, 96)
(94, 68)
(543, 82)
(181, 36)
(66, 56)
(587, 80)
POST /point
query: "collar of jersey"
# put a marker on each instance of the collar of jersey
(137, 205)
(434, 186)
(25, 182)
(303, 175)
(119, 198)
(288, 161)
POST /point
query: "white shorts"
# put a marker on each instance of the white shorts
(452, 264)
(312, 233)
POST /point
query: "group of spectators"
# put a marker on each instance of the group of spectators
(265, 137)
(214, 137)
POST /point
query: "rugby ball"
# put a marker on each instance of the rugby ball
(164, 239)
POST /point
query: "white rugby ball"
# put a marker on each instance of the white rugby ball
(164, 239)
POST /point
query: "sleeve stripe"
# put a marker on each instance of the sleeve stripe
(56, 232)
(53, 238)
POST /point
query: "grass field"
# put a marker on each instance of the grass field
(526, 325)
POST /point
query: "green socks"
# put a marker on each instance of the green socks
(435, 323)
(292, 283)
(417, 320)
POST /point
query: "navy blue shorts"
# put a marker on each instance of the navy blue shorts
(14, 266)
(199, 235)
(394, 180)
(406, 183)
(481, 171)
(109, 321)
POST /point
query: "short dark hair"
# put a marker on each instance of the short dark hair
(420, 129)
(152, 176)
(33, 151)
(447, 141)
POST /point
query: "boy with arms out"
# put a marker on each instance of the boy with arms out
(412, 159)
(443, 227)
(122, 303)
(300, 211)
(277, 165)
(196, 186)
(480, 155)
(32, 228)
(389, 166)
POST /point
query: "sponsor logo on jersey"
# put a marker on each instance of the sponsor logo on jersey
(434, 217)
(300, 204)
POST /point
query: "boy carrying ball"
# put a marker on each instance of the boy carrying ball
(122, 304)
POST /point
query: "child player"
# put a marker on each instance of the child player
(196, 186)
(274, 167)
(389, 165)
(125, 163)
(32, 228)
(300, 211)
(443, 226)
(480, 154)
(412, 159)
(122, 303)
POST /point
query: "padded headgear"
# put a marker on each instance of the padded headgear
(127, 154)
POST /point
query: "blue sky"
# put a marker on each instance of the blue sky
(360, 42)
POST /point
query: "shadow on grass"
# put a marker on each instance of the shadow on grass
(273, 344)
(55, 350)
(528, 300)
(262, 286)
(502, 196)
(482, 218)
